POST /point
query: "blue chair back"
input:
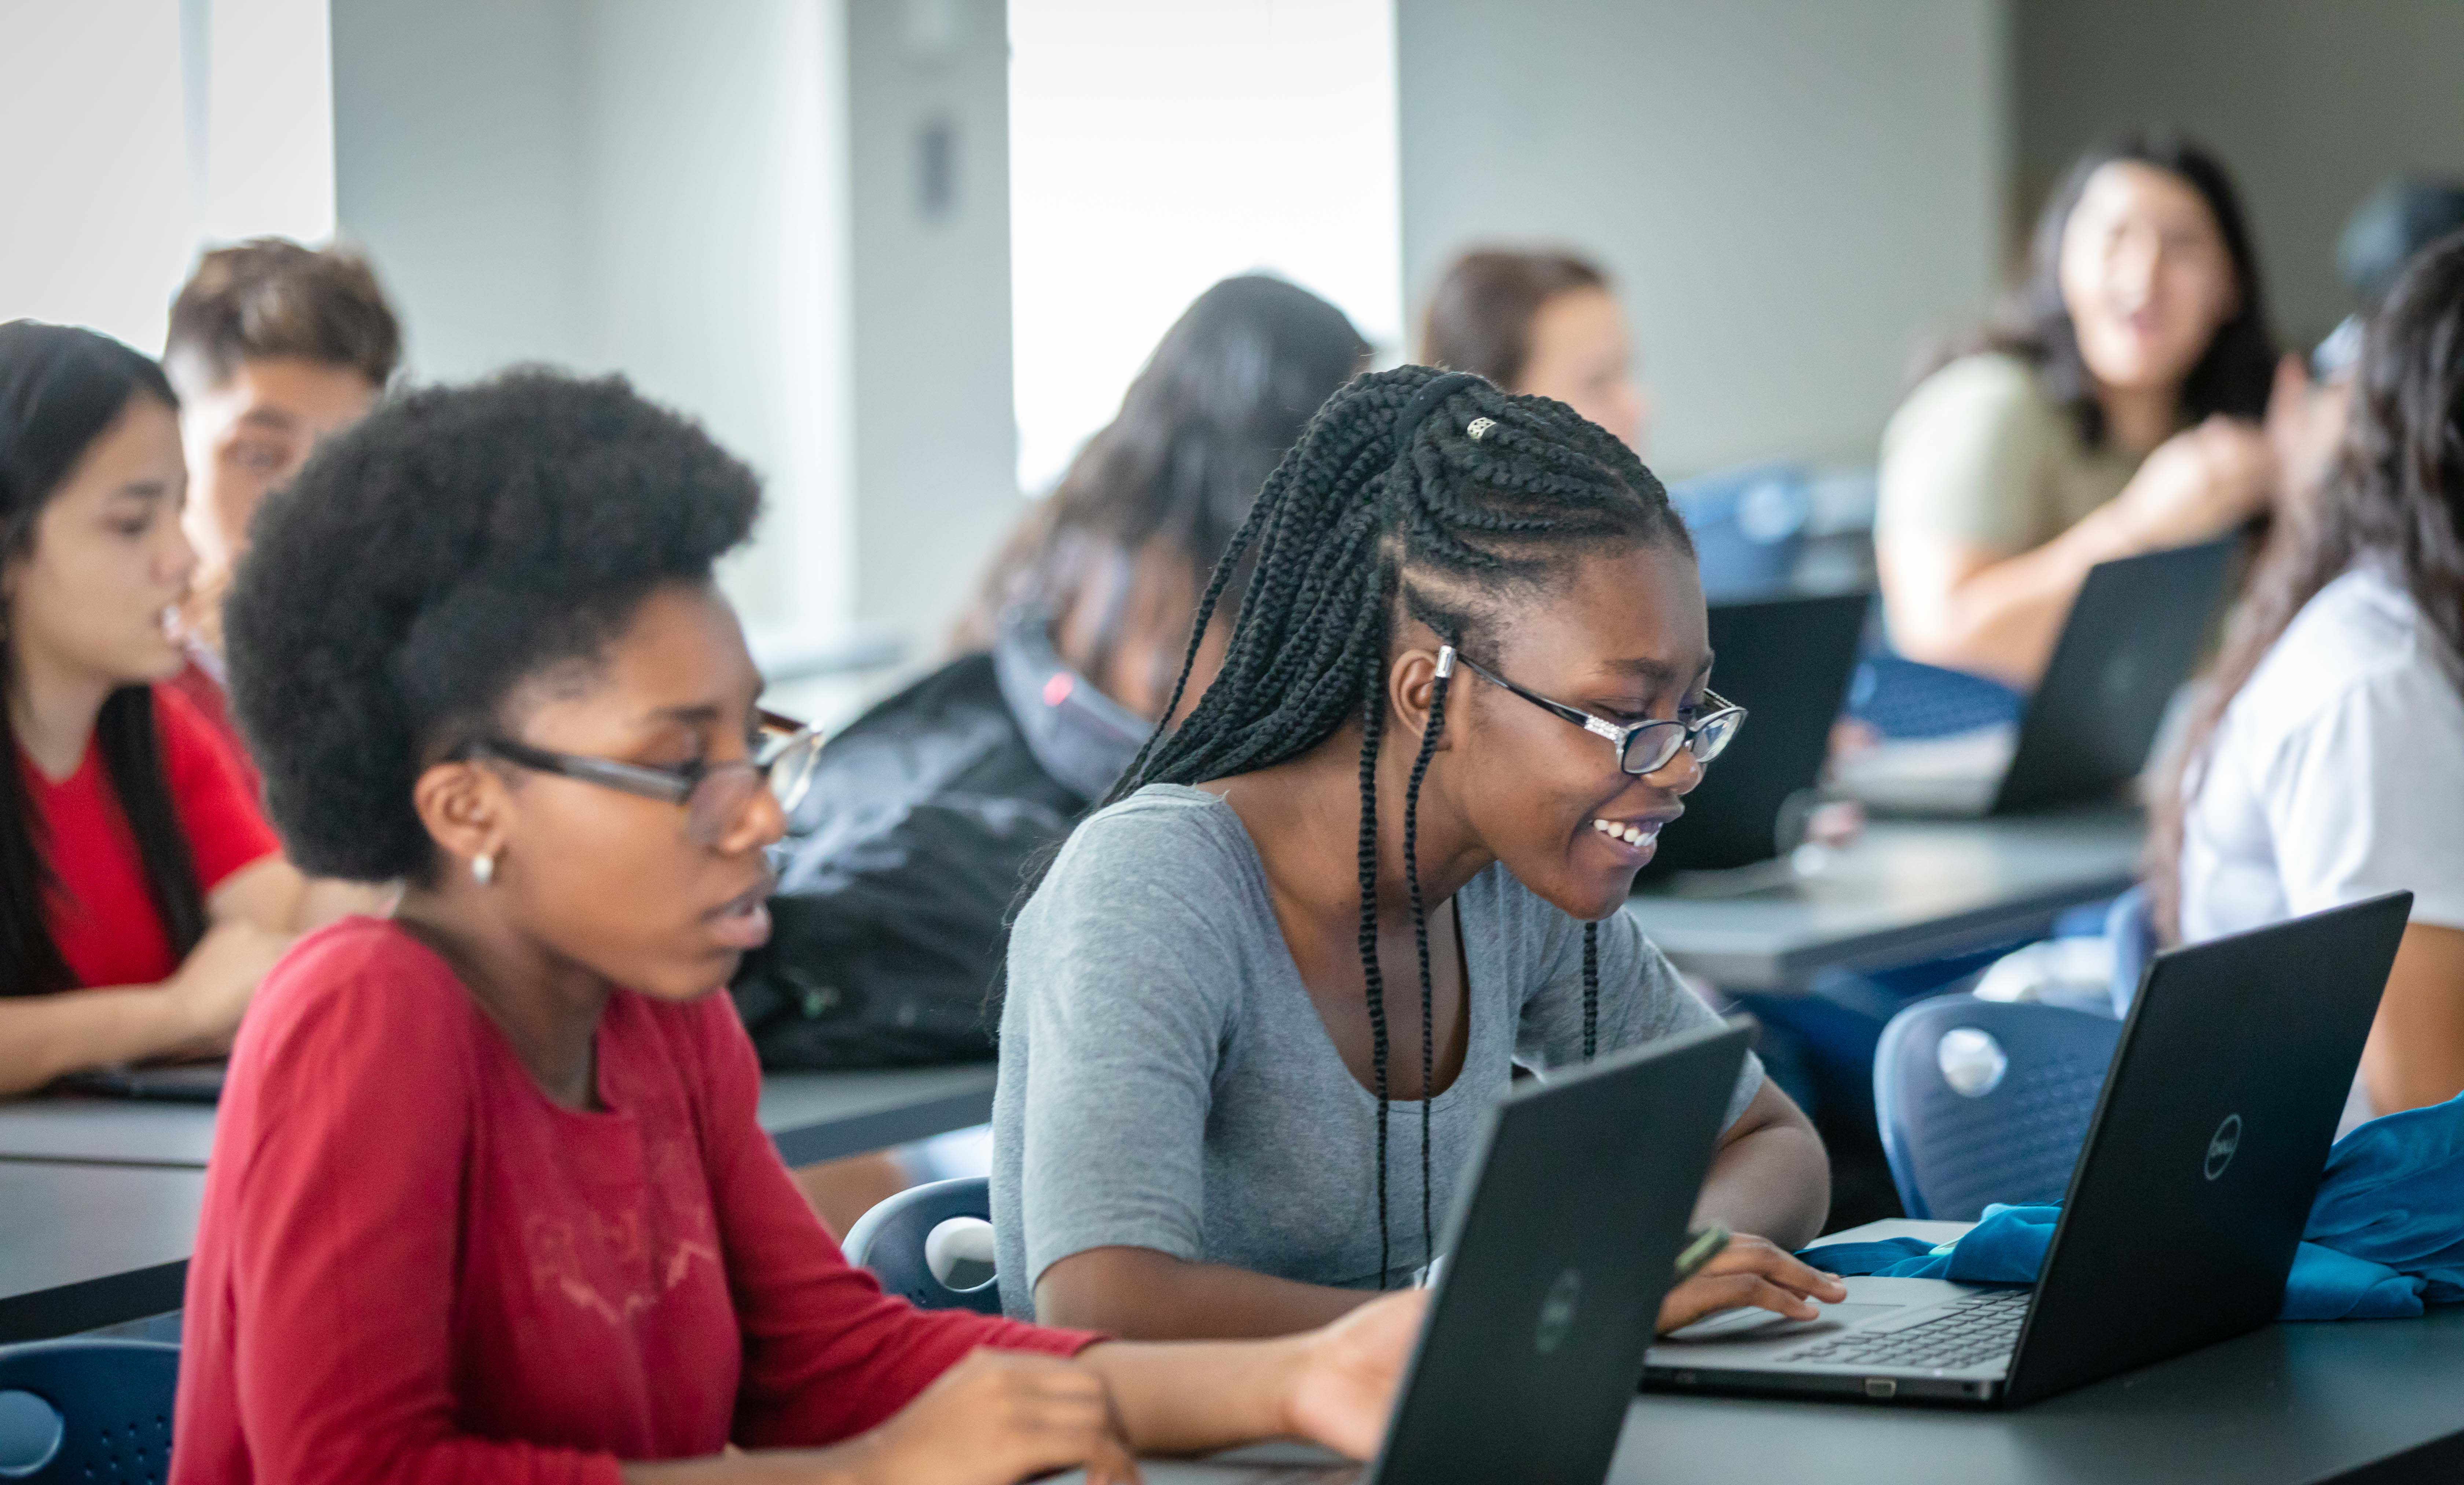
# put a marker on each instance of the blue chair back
(891, 1240)
(1748, 524)
(110, 1408)
(1984, 1101)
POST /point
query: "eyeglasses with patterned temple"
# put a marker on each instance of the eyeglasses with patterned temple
(785, 755)
(1644, 747)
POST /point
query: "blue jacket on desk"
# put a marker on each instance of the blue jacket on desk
(2385, 1240)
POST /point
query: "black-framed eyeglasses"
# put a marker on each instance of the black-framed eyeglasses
(1644, 747)
(785, 755)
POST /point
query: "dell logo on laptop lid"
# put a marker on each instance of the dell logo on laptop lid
(2222, 1145)
(1558, 1311)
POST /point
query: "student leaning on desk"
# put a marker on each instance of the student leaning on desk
(1256, 1008)
(142, 895)
(487, 1199)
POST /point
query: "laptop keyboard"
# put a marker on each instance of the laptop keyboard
(1982, 1329)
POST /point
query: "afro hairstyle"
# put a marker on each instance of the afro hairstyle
(424, 563)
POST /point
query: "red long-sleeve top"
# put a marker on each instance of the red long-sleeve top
(412, 1266)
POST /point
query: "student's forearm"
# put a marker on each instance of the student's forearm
(844, 1465)
(2003, 618)
(1138, 1293)
(1769, 1176)
(2416, 1054)
(1194, 1397)
(43, 1037)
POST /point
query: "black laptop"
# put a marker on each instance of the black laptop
(1787, 661)
(2179, 1228)
(2134, 634)
(1556, 1261)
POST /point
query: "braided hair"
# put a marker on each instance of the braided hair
(1412, 492)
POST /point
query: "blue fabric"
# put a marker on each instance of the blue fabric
(1900, 697)
(2386, 1235)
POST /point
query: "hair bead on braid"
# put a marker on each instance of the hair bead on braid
(1412, 491)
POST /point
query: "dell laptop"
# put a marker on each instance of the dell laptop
(2208, 1146)
(2134, 635)
(1787, 661)
(1556, 1261)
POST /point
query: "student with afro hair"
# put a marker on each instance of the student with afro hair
(488, 1200)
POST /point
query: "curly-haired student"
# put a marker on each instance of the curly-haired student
(488, 1198)
(1465, 692)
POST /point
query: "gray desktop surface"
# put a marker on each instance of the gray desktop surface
(2289, 1405)
(1904, 890)
(87, 1246)
(823, 1116)
(811, 1116)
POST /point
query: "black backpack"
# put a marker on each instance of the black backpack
(892, 916)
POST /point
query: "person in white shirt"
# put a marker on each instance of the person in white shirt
(2326, 761)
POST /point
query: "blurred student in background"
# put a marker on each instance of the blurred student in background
(2114, 408)
(1543, 323)
(2398, 220)
(142, 895)
(2325, 763)
(892, 915)
(273, 346)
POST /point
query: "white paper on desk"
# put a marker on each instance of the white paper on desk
(1927, 769)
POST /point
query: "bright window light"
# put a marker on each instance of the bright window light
(1156, 148)
(139, 130)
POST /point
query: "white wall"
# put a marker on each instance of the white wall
(1793, 195)
(131, 131)
(1157, 148)
(932, 437)
(2312, 105)
(633, 186)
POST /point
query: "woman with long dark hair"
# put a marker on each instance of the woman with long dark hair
(1465, 690)
(2113, 410)
(490, 1200)
(142, 895)
(897, 883)
(2326, 761)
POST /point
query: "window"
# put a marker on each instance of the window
(1156, 148)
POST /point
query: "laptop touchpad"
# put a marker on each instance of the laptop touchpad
(1747, 1322)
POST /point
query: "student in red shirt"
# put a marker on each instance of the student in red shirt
(488, 1200)
(142, 895)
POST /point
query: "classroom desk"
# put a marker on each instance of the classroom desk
(811, 1116)
(99, 1197)
(1905, 890)
(823, 1116)
(87, 1246)
(2289, 1405)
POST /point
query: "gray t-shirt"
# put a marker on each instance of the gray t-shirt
(1166, 1081)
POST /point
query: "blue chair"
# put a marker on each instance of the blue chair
(917, 1239)
(85, 1410)
(1748, 524)
(1984, 1101)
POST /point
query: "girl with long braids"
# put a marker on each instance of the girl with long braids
(1465, 692)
